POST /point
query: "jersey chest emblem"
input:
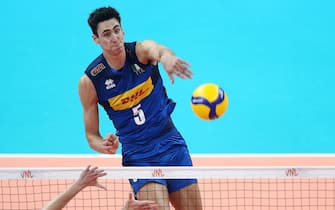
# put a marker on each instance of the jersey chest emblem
(109, 83)
(138, 70)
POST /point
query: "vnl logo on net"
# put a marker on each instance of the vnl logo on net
(26, 174)
(158, 173)
(291, 172)
(155, 173)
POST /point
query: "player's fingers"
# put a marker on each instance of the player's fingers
(111, 137)
(88, 168)
(183, 67)
(184, 63)
(93, 170)
(101, 172)
(171, 78)
(188, 73)
(100, 186)
(181, 73)
(145, 202)
(111, 150)
(110, 142)
(107, 143)
(114, 139)
(147, 206)
(98, 170)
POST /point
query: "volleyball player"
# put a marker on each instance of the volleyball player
(126, 82)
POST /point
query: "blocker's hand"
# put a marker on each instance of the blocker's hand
(89, 177)
(139, 205)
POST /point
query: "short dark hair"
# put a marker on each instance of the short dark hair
(100, 15)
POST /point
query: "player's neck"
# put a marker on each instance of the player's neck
(116, 61)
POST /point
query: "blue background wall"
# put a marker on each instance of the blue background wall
(275, 60)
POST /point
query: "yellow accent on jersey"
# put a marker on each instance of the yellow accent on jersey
(131, 97)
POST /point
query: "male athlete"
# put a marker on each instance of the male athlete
(126, 82)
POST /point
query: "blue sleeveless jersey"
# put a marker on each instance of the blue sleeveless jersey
(135, 100)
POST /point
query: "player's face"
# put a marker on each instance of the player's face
(110, 36)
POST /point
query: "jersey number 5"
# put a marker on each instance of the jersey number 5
(138, 114)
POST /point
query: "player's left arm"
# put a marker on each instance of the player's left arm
(149, 51)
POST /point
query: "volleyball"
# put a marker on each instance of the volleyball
(209, 101)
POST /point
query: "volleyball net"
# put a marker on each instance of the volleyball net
(221, 187)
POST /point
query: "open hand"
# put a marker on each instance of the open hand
(176, 66)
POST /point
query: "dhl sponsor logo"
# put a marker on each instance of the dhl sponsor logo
(97, 69)
(131, 97)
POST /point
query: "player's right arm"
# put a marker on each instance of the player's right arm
(89, 101)
(150, 51)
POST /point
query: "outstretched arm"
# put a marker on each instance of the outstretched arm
(150, 51)
(87, 178)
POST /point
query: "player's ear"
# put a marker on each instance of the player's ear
(95, 38)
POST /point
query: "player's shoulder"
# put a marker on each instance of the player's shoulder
(146, 51)
(84, 81)
(145, 45)
(146, 42)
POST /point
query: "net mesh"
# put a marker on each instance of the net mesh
(220, 187)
